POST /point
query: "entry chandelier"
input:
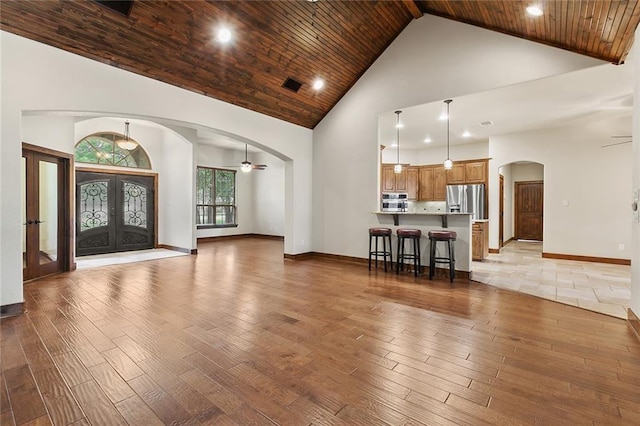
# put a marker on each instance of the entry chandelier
(448, 163)
(127, 143)
(398, 167)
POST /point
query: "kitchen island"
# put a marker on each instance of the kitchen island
(428, 221)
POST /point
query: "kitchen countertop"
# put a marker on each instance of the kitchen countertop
(425, 213)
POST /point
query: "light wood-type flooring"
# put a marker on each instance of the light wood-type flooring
(238, 336)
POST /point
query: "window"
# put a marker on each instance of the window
(100, 148)
(215, 198)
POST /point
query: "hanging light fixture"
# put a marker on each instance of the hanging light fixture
(448, 163)
(398, 167)
(127, 143)
(246, 166)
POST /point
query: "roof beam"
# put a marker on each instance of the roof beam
(413, 8)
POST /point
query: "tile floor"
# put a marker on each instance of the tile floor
(92, 261)
(599, 287)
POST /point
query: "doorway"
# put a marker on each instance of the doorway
(46, 248)
(529, 207)
(115, 211)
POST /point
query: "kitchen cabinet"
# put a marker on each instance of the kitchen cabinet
(479, 240)
(439, 183)
(475, 172)
(412, 183)
(432, 183)
(397, 182)
(455, 175)
(425, 184)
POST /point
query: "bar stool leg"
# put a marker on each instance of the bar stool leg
(452, 261)
(384, 254)
(370, 237)
(399, 257)
(432, 257)
(416, 254)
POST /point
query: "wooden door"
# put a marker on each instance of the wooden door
(45, 214)
(114, 212)
(439, 184)
(529, 210)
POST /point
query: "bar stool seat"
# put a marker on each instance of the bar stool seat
(414, 236)
(446, 236)
(385, 234)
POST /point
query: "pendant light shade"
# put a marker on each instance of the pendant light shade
(448, 163)
(127, 143)
(398, 167)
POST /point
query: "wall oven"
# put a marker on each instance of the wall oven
(394, 201)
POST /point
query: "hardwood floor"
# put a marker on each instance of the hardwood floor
(236, 336)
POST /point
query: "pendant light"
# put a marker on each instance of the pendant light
(398, 167)
(127, 143)
(448, 163)
(246, 166)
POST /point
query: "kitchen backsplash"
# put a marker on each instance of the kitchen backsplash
(426, 206)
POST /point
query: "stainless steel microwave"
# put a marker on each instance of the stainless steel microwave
(394, 201)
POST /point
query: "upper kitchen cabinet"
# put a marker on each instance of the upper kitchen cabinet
(412, 183)
(455, 175)
(475, 172)
(439, 183)
(405, 181)
(432, 183)
(463, 172)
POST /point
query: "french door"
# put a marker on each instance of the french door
(45, 213)
(114, 212)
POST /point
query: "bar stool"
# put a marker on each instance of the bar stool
(412, 235)
(449, 237)
(385, 234)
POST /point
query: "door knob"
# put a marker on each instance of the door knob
(38, 221)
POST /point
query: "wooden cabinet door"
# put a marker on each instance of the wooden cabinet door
(426, 183)
(401, 180)
(477, 238)
(456, 174)
(388, 179)
(439, 184)
(475, 172)
(412, 183)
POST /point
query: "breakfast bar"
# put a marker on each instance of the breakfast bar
(429, 221)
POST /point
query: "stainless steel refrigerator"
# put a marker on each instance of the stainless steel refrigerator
(466, 199)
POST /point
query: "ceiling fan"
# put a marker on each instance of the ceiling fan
(246, 166)
(627, 139)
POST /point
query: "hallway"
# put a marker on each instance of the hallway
(598, 287)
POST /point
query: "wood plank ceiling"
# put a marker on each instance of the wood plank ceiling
(174, 41)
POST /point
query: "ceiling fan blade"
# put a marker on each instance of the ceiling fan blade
(620, 136)
(259, 166)
(615, 143)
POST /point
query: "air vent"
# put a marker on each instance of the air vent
(292, 85)
(486, 123)
(121, 7)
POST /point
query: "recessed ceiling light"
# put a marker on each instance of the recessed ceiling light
(399, 126)
(223, 35)
(393, 145)
(427, 140)
(486, 123)
(534, 11)
(318, 84)
(466, 134)
(443, 116)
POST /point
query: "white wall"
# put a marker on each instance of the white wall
(268, 196)
(506, 172)
(635, 183)
(437, 155)
(431, 60)
(37, 78)
(595, 181)
(524, 172)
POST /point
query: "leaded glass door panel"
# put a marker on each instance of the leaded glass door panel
(114, 212)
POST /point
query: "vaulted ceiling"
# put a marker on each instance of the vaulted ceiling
(336, 41)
